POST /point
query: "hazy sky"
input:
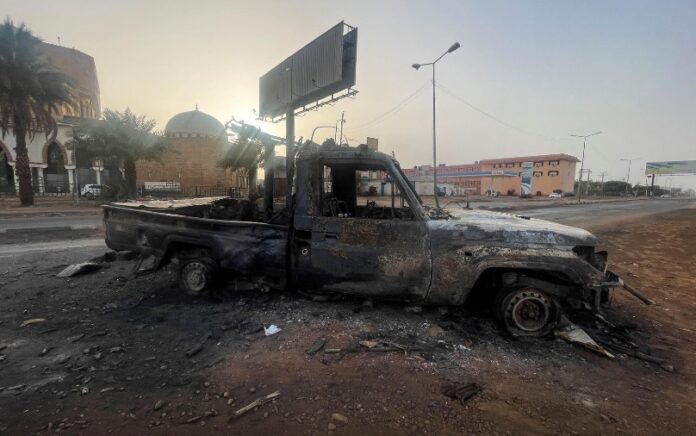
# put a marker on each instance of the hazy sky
(548, 68)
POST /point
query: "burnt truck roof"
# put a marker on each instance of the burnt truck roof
(359, 153)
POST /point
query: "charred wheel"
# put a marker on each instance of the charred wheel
(197, 274)
(526, 311)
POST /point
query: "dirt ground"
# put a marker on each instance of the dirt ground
(123, 355)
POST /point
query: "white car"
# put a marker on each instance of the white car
(91, 191)
(555, 195)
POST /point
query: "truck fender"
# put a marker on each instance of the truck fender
(170, 244)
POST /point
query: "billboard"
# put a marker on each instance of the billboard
(526, 179)
(671, 167)
(320, 69)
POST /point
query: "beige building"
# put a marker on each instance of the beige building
(550, 172)
(199, 142)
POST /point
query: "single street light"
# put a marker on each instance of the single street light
(452, 48)
(582, 162)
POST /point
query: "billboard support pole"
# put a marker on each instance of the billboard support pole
(268, 178)
(289, 156)
(652, 185)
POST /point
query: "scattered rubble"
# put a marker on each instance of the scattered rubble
(316, 346)
(258, 402)
(32, 321)
(461, 391)
(576, 335)
(199, 346)
(79, 268)
(271, 330)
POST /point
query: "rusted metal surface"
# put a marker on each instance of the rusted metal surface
(472, 241)
(413, 254)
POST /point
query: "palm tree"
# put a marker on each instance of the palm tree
(30, 93)
(119, 140)
(246, 154)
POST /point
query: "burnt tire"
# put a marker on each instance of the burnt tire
(196, 275)
(525, 311)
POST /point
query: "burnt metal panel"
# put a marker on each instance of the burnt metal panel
(369, 257)
(323, 67)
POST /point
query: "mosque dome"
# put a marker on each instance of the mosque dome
(194, 124)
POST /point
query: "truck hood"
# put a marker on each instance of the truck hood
(496, 227)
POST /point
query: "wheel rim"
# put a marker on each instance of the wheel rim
(195, 275)
(529, 310)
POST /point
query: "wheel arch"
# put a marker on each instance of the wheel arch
(559, 282)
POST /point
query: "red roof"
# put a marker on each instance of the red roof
(542, 157)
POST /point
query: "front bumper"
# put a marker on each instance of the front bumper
(603, 290)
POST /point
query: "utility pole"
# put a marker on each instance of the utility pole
(582, 162)
(589, 181)
(602, 175)
(340, 138)
(628, 176)
(76, 184)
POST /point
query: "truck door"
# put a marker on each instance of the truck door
(359, 244)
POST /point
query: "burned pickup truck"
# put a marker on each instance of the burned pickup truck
(332, 239)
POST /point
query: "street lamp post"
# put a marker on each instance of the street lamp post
(582, 162)
(452, 48)
(628, 176)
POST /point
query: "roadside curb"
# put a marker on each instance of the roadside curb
(22, 230)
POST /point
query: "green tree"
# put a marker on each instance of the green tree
(119, 140)
(30, 93)
(248, 152)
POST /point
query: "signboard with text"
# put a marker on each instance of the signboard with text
(671, 167)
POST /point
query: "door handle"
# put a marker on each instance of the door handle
(333, 236)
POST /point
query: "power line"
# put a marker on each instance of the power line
(494, 118)
(402, 104)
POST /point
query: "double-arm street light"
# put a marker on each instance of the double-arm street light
(582, 162)
(452, 48)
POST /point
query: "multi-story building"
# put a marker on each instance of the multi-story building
(52, 165)
(551, 172)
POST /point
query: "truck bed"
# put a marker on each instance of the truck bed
(244, 245)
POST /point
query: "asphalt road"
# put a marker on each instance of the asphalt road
(584, 215)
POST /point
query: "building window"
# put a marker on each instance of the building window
(553, 173)
(538, 173)
(539, 164)
(510, 165)
(554, 163)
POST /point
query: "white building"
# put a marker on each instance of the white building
(52, 165)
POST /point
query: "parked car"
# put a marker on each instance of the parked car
(568, 194)
(329, 240)
(555, 195)
(92, 191)
(492, 193)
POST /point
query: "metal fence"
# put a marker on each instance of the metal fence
(177, 191)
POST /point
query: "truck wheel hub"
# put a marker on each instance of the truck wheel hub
(530, 310)
(195, 276)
